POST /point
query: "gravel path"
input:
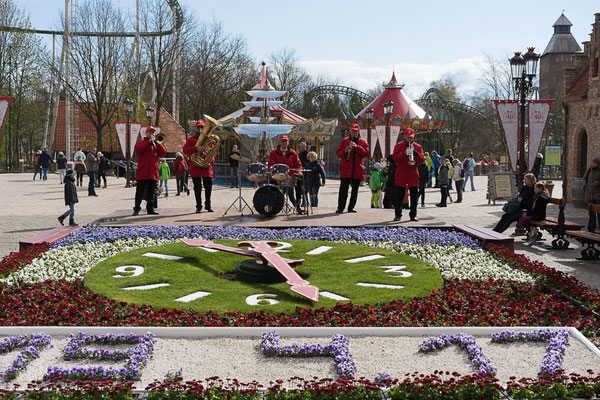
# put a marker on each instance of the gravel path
(232, 357)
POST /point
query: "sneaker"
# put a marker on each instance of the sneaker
(178, 194)
(338, 211)
(208, 209)
(198, 210)
(61, 221)
(72, 223)
(135, 212)
(152, 212)
(414, 219)
(352, 211)
(440, 205)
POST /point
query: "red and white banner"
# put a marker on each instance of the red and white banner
(121, 128)
(508, 113)
(134, 133)
(537, 121)
(394, 133)
(373, 139)
(381, 138)
(364, 134)
(4, 104)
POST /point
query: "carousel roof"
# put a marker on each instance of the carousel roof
(260, 92)
(404, 106)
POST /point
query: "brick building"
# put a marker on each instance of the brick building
(83, 132)
(581, 104)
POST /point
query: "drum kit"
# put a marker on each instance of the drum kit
(269, 199)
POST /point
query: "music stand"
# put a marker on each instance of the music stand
(240, 207)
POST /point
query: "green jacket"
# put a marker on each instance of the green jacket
(164, 171)
(429, 162)
(376, 181)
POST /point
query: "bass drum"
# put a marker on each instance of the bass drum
(268, 200)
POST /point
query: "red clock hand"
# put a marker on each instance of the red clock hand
(269, 254)
(235, 250)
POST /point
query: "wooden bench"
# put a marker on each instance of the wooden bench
(486, 235)
(588, 239)
(557, 226)
(49, 236)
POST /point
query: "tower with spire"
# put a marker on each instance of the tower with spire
(558, 55)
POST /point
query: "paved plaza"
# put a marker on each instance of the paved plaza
(31, 207)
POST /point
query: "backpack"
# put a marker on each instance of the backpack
(466, 164)
(36, 160)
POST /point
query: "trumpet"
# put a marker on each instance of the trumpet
(411, 156)
(160, 138)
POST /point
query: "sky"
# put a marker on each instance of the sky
(360, 43)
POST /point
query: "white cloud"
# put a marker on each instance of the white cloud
(465, 73)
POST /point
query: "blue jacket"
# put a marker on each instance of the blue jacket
(436, 162)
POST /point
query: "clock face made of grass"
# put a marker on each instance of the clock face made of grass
(179, 276)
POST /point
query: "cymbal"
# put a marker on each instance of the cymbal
(240, 158)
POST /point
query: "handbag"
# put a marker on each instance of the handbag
(511, 206)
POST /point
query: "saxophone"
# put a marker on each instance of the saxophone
(211, 143)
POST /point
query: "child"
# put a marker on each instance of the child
(314, 179)
(458, 176)
(81, 170)
(375, 185)
(537, 212)
(179, 169)
(165, 173)
(70, 198)
(443, 182)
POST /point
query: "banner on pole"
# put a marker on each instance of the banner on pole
(394, 133)
(537, 121)
(381, 138)
(121, 128)
(134, 133)
(4, 104)
(364, 134)
(508, 113)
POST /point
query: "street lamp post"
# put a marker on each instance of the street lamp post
(128, 105)
(388, 106)
(369, 117)
(523, 69)
(149, 114)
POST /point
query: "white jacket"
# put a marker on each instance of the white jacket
(456, 174)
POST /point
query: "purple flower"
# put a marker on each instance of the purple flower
(32, 347)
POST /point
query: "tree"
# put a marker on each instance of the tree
(286, 74)
(216, 72)
(98, 63)
(21, 77)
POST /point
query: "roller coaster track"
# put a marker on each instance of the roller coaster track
(178, 14)
(343, 90)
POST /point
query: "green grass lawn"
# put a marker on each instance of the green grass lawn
(200, 271)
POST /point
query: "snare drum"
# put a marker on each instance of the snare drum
(279, 172)
(256, 172)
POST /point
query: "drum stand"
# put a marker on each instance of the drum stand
(239, 207)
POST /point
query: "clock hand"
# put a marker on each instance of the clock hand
(235, 250)
(270, 255)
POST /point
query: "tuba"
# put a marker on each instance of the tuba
(211, 143)
(160, 138)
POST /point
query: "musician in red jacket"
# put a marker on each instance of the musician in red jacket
(200, 176)
(149, 153)
(282, 154)
(408, 155)
(351, 151)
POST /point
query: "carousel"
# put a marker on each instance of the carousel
(383, 119)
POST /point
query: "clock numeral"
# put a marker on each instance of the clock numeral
(395, 271)
(191, 297)
(163, 256)
(365, 258)
(282, 246)
(134, 270)
(256, 300)
(147, 287)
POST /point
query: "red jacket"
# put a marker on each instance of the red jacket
(407, 174)
(180, 166)
(290, 159)
(354, 167)
(148, 159)
(190, 148)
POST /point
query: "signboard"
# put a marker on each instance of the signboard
(501, 186)
(553, 155)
